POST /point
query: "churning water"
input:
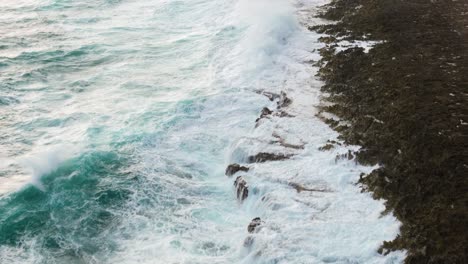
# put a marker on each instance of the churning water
(119, 117)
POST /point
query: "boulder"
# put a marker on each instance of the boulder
(234, 168)
(254, 225)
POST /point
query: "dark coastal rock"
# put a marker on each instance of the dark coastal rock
(265, 112)
(284, 101)
(346, 156)
(264, 157)
(234, 168)
(404, 102)
(254, 225)
(242, 189)
(326, 147)
(282, 113)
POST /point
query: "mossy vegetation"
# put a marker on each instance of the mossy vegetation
(406, 103)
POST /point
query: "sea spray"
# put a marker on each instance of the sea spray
(45, 162)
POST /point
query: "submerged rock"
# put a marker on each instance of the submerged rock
(242, 189)
(326, 147)
(263, 157)
(348, 155)
(284, 101)
(253, 227)
(234, 168)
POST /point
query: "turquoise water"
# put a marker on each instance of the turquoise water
(118, 119)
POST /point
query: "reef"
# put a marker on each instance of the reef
(405, 101)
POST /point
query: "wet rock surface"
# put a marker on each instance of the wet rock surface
(234, 168)
(283, 113)
(265, 112)
(254, 225)
(242, 190)
(406, 103)
(264, 157)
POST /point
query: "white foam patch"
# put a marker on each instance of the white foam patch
(45, 161)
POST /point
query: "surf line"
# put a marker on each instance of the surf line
(239, 171)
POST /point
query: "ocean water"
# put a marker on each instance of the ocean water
(119, 117)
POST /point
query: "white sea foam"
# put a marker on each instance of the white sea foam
(45, 161)
(341, 225)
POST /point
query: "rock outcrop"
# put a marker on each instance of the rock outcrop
(242, 190)
(265, 112)
(254, 225)
(234, 168)
(264, 157)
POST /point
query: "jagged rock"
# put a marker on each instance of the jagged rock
(326, 147)
(234, 168)
(263, 157)
(254, 225)
(242, 189)
(284, 101)
(349, 156)
(301, 188)
(265, 112)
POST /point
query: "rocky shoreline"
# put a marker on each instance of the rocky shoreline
(405, 102)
